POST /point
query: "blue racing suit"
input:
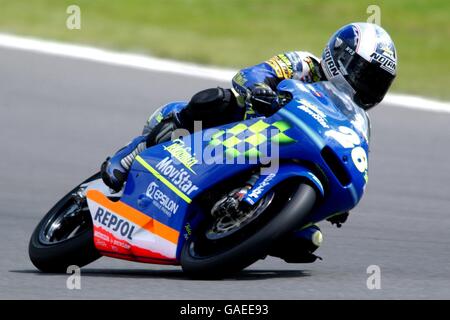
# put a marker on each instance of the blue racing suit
(299, 65)
(220, 106)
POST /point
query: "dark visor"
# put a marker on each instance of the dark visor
(368, 80)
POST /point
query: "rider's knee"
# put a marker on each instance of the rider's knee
(212, 106)
(162, 113)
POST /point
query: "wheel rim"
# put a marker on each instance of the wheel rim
(212, 243)
(227, 225)
(67, 223)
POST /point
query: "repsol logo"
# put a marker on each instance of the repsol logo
(332, 68)
(114, 223)
(385, 63)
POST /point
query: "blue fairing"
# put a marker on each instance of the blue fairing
(324, 141)
(336, 112)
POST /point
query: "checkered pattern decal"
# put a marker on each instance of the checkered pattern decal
(247, 140)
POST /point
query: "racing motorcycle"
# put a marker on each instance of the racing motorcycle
(184, 205)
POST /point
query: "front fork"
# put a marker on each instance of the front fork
(233, 202)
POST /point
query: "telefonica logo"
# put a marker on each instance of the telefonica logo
(179, 151)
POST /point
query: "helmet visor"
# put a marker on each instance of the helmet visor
(369, 80)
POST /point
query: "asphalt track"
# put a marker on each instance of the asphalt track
(60, 117)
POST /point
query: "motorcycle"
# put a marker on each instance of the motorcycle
(213, 201)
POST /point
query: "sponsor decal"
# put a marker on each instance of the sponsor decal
(179, 151)
(350, 50)
(385, 62)
(102, 237)
(121, 229)
(240, 79)
(285, 60)
(276, 68)
(188, 229)
(180, 178)
(127, 249)
(255, 135)
(332, 69)
(121, 244)
(159, 117)
(387, 51)
(314, 112)
(114, 223)
(313, 69)
(161, 200)
(256, 192)
(283, 63)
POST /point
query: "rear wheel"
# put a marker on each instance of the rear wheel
(64, 236)
(222, 246)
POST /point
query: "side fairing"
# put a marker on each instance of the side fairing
(335, 138)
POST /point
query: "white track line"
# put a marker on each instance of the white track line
(170, 66)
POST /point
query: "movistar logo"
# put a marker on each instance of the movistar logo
(314, 112)
(179, 151)
(179, 177)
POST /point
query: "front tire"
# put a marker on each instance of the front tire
(64, 236)
(288, 216)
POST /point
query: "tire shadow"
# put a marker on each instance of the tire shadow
(245, 275)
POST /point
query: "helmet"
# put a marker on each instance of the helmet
(361, 59)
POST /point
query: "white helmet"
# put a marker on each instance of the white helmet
(362, 58)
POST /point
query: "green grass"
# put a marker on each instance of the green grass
(239, 33)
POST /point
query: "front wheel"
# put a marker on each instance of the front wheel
(204, 256)
(64, 236)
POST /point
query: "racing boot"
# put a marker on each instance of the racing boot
(114, 170)
(298, 247)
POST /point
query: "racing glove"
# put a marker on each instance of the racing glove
(263, 99)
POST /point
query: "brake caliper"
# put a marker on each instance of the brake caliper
(231, 204)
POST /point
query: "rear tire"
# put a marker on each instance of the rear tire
(255, 246)
(55, 257)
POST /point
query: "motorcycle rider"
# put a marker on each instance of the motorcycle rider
(360, 59)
